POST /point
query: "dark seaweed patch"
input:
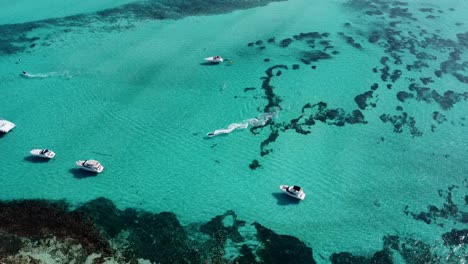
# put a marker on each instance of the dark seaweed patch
(350, 40)
(463, 39)
(135, 234)
(400, 121)
(412, 251)
(264, 150)
(217, 229)
(417, 65)
(415, 251)
(308, 35)
(254, 165)
(456, 237)
(314, 55)
(431, 17)
(445, 101)
(321, 112)
(426, 10)
(374, 37)
(402, 96)
(448, 211)
(438, 117)
(361, 99)
(395, 75)
(426, 80)
(281, 248)
(401, 12)
(273, 99)
(9, 245)
(381, 257)
(41, 219)
(285, 42)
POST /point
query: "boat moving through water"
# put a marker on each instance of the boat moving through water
(214, 59)
(293, 191)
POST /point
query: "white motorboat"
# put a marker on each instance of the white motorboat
(43, 153)
(90, 165)
(293, 191)
(214, 59)
(6, 126)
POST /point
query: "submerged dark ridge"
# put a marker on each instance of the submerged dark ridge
(51, 226)
(20, 37)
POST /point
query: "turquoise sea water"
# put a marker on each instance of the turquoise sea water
(135, 95)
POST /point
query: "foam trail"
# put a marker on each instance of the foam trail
(255, 122)
(45, 75)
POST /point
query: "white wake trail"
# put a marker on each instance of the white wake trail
(254, 122)
(45, 75)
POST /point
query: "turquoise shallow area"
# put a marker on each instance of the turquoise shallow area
(140, 101)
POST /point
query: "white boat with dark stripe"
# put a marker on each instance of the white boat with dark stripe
(293, 191)
(43, 153)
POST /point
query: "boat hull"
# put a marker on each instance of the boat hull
(214, 60)
(6, 126)
(37, 153)
(98, 170)
(285, 188)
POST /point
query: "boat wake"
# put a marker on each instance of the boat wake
(254, 122)
(46, 75)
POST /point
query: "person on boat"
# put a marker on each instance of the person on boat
(24, 73)
(210, 134)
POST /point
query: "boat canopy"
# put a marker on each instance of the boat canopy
(297, 188)
(91, 163)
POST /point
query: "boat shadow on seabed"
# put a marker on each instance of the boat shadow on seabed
(209, 63)
(34, 159)
(82, 174)
(283, 199)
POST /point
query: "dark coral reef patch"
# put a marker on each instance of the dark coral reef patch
(53, 227)
(449, 211)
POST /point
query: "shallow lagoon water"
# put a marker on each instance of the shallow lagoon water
(135, 95)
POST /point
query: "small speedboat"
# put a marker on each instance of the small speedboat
(214, 59)
(43, 153)
(90, 165)
(293, 191)
(6, 126)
